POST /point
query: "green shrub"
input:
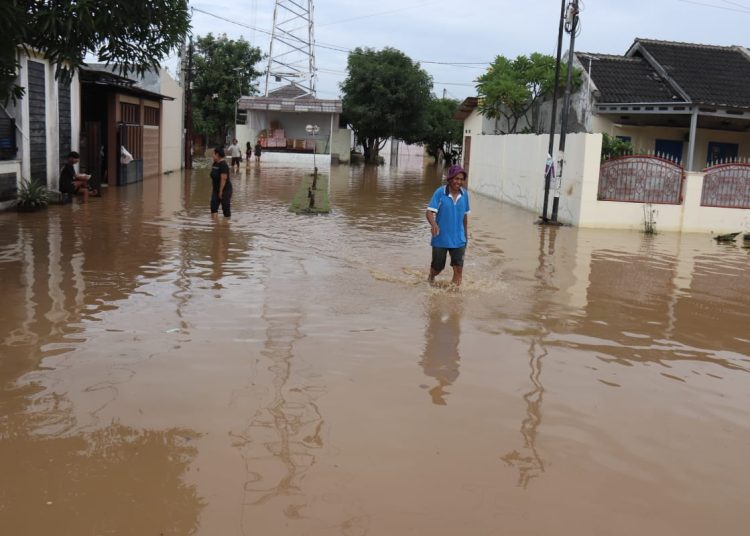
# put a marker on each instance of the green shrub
(32, 194)
(612, 147)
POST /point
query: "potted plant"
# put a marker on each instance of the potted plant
(32, 195)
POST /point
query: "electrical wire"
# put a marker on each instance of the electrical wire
(338, 48)
(423, 4)
(726, 8)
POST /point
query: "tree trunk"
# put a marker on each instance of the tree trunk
(372, 151)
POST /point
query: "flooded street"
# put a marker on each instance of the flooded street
(165, 374)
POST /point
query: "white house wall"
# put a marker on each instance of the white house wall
(510, 168)
(172, 132)
(474, 124)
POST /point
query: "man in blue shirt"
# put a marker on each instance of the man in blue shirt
(449, 223)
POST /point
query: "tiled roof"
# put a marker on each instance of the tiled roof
(627, 80)
(290, 98)
(713, 75)
(465, 108)
(290, 105)
(666, 71)
(290, 91)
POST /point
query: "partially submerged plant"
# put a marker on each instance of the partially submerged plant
(32, 195)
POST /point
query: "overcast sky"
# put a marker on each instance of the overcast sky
(476, 31)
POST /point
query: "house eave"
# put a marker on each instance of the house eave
(291, 105)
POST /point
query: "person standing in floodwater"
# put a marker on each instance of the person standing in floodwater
(258, 151)
(448, 214)
(221, 192)
(236, 153)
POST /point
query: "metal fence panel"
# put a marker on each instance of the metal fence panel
(726, 186)
(641, 179)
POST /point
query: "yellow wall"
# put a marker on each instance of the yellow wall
(644, 139)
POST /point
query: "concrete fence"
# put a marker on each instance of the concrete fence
(510, 168)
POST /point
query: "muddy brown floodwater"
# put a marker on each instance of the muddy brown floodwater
(161, 373)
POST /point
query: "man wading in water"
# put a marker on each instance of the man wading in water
(448, 214)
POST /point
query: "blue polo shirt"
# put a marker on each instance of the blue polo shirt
(449, 216)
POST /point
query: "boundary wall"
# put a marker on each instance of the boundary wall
(510, 168)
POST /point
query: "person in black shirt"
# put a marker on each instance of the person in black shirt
(72, 182)
(221, 193)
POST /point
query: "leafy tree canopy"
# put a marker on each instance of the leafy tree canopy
(385, 95)
(440, 129)
(225, 70)
(135, 35)
(512, 89)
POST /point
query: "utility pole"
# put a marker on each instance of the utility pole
(550, 168)
(189, 108)
(571, 26)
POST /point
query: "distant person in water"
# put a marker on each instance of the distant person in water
(221, 191)
(236, 153)
(258, 150)
(448, 215)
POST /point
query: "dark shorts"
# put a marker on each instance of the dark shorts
(439, 256)
(71, 189)
(236, 160)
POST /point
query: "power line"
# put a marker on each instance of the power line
(742, 9)
(338, 48)
(455, 84)
(382, 13)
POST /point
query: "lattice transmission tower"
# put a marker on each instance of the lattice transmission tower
(291, 55)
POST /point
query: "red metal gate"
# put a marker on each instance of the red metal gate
(641, 179)
(726, 186)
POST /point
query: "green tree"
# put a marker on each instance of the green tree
(224, 71)
(441, 131)
(135, 35)
(511, 90)
(385, 95)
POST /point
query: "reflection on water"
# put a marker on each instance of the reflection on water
(528, 461)
(442, 337)
(257, 376)
(114, 480)
(279, 445)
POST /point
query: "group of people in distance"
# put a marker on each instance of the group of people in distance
(235, 153)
